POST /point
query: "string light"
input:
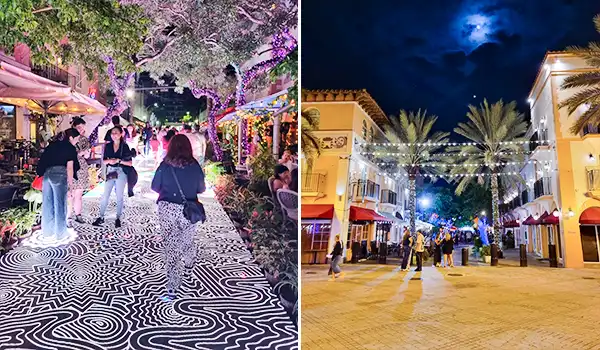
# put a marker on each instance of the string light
(443, 154)
(442, 144)
(442, 165)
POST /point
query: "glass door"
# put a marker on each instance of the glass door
(589, 243)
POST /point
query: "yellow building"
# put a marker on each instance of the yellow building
(558, 207)
(344, 193)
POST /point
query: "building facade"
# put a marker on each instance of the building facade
(344, 193)
(557, 209)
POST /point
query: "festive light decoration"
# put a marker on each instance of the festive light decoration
(451, 165)
(438, 144)
(283, 43)
(119, 104)
(443, 154)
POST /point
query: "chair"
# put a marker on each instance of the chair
(7, 196)
(289, 203)
(273, 195)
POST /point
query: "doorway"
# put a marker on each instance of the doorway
(590, 243)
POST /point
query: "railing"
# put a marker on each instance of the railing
(365, 189)
(524, 197)
(542, 187)
(388, 196)
(313, 182)
(593, 179)
(56, 74)
(590, 129)
(515, 203)
(541, 135)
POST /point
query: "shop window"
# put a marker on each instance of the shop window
(315, 236)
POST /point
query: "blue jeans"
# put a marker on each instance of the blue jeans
(119, 185)
(54, 202)
(335, 264)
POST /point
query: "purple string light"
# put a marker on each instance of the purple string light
(119, 104)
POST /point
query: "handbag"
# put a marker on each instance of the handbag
(193, 211)
(37, 183)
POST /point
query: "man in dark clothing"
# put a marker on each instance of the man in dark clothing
(116, 122)
(147, 136)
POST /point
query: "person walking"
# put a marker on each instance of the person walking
(82, 182)
(178, 175)
(116, 156)
(407, 242)
(447, 249)
(437, 253)
(146, 137)
(155, 145)
(58, 165)
(419, 249)
(336, 259)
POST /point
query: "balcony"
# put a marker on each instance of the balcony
(388, 197)
(541, 135)
(313, 183)
(590, 129)
(515, 203)
(364, 190)
(56, 74)
(542, 187)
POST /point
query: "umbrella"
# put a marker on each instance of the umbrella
(25, 89)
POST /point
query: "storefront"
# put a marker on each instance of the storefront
(589, 228)
(316, 232)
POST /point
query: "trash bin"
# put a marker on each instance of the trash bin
(465, 257)
(494, 251)
(552, 255)
(355, 251)
(382, 253)
(523, 255)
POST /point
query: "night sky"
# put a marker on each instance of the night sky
(437, 54)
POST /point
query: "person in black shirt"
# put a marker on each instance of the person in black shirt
(336, 258)
(146, 137)
(116, 121)
(58, 165)
(178, 232)
(117, 157)
(294, 182)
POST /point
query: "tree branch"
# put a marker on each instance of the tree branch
(160, 53)
(43, 9)
(245, 13)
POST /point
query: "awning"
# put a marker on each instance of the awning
(511, 224)
(399, 216)
(317, 211)
(590, 216)
(364, 214)
(551, 220)
(530, 221)
(265, 103)
(391, 217)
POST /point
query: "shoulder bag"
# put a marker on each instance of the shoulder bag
(193, 211)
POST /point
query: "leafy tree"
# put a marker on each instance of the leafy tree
(413, 130)
(589, 81)
(490, 128)
(81, 31)
(309, 142)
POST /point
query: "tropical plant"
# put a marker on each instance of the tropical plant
(34, 198)
(416, 153)
(589, 81)
(492, 130)
(212, 171)
(309, 142)
(485, 250)
(262, 165)
(288, 67)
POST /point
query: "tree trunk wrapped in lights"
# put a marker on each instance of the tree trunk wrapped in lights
(412, 203)
(495, 209)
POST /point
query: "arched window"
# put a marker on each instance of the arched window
(371, 134)
(364, 130)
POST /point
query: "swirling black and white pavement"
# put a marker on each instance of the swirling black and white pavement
(106, 290)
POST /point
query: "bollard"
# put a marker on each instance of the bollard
(355, 250)
(552, 255)
(494, 253)
(523, 255)
(465, 257)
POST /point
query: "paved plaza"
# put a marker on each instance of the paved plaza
(106, 289)
(482, 307)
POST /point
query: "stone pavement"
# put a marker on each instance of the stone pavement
(380, 307)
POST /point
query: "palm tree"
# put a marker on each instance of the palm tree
(309, 142)
(590, 83)
(490, 129)
(413, 131)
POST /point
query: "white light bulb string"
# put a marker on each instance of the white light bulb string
(379, 153)
(442, 144)
(449, 165)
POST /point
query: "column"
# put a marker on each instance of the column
(340, 223)
(239, 143)
(276, 136)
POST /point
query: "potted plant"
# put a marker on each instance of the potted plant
(486, 254)
(262, 166)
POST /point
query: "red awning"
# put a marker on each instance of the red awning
(511, 224)
(590, 216)
(541, 219)
(551, 220)
(364, 214)
(317, 211)
(530, 221)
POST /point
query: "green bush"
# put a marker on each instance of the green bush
(485, 251)
(262, 165)
(212, 171)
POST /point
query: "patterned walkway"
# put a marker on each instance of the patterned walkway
(106, 289)
(380, 307)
